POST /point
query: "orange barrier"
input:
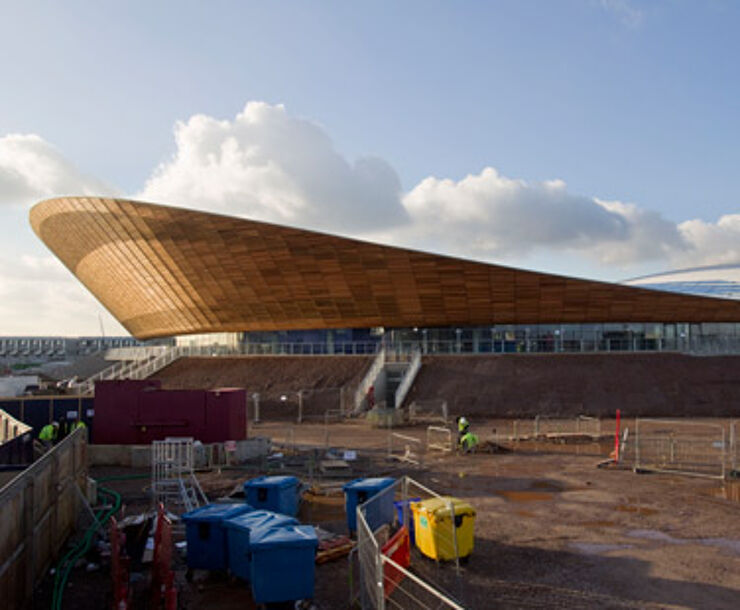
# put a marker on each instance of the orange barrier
(119, 567)
(398, 548)
(163, 578)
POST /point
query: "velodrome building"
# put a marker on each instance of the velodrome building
(171, 272)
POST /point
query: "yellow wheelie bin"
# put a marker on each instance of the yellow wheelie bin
(434, 530)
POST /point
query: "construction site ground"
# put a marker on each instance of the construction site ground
(552, 530)
(501, 385)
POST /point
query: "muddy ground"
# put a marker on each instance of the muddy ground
(502, 385)
(552, 529)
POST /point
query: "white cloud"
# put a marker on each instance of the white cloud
(711, 243)
(38, 296)
(489, 215)
(32, 169)
(268, 165)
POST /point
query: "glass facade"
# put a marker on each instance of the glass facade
(721, 281)
(503, 339)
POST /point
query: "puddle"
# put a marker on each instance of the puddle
(656, 536)
(525, 496)
(727, 544)
(640, 510)
(728, 491)
(540, 490)
(546, 486)
(590, 548)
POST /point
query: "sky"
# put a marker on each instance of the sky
(591, 138)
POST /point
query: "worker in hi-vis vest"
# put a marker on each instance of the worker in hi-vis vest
(466, 440)
(78, 423)
(49, 433)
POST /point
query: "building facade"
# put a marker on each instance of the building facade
(165, 272)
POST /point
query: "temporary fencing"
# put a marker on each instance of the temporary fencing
(439, 439)
(543, 426)
(428, 411)
(392, 572)
(682, 447)
(405, 448)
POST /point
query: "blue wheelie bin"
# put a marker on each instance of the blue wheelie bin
(276, 493)
(399, 511)
(282, 563)
(206, 536)
(239, 531)
(360, 490)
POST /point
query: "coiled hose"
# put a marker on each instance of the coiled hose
(65, 565)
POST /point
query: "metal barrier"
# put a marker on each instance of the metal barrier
(173, 478)
(430, 411)
(681, 447)
(439, 439)
(405, 448)
(545, 426)
(386, 579)
(368, 381)
(39, 509)
(408, 379)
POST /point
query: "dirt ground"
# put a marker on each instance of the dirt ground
(320, 379)
(552, 530)
(501, 385)
(640, 384)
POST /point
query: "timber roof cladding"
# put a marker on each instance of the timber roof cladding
(165, 271)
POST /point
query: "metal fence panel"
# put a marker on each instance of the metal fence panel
(384, 583)
(683, 447)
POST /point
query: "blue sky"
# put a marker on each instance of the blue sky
(626, 102)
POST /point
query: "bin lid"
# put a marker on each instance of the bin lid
(272, 481)
(440, 507)
(217, 512)
(369, 484)
(259, 519)
(286, 536)
(410, 501)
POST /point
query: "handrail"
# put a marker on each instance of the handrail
(408, 379)
(369, 379)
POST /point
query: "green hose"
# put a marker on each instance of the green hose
(64, 567)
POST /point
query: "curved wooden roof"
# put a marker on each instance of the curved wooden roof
(165, 271)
